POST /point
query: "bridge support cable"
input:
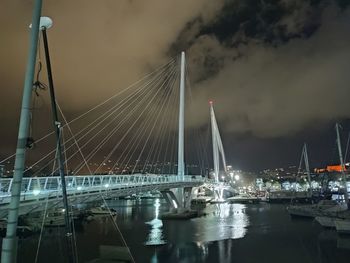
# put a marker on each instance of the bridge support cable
(133, 109)
(141, 114)
(155, 111)
(135, 140)
(139, 92)
(130, 115)
(162, 134)
(169, 137)
(117, 107)
(160, 128)
(128, 88)
(194, 134)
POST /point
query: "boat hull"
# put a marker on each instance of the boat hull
(325, 221)
(243, 201)
(342, 226)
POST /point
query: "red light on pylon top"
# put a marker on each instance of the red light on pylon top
(211, 102)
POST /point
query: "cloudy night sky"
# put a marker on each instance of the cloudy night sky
(278, 71)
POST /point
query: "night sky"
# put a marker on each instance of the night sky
(277, 70)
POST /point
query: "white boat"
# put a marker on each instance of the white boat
(284, 196)
(52, 218)
(316, 209)
(327, 219)
(201, 200)
(102, 210)
(244, 199)
(342, 225)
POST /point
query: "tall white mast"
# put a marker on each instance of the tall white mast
(214, 142)
(307, 167)
(342, 163)
(180, 160)
(217, 144)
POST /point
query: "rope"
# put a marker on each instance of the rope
(118, 230)
(75, 141)
(44, 214)
(347, 148)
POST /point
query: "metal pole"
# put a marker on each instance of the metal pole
(214, 142)
(60, 159)
(9, 243)
(342, 163)
(306, 160)
(180, 167)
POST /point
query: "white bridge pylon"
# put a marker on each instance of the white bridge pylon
(218, 149)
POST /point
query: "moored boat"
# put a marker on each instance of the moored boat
(325, 221)
(328, 218)
(201, 200)
(102, 210)
(244, 199)
(342, 225)
(314, 210)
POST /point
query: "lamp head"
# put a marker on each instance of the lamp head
(45, 23)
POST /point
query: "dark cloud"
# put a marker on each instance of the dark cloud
(273, 68)
(277, 89)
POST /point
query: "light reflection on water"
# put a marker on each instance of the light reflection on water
(222, 235)
(155, 236)
(225, 222)
(222, 221)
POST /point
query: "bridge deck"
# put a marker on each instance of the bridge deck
(38, 191)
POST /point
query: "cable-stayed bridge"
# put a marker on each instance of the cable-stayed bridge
(36, 192)
(126, 144)
(132, 142)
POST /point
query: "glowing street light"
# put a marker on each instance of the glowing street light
(236, 177)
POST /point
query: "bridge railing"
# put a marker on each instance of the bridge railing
(35, 186)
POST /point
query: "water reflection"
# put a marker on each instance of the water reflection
(155, 236)
(332, 247)
(225, 222)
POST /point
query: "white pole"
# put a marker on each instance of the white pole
(9, 243)
(181, 164)
(342, 163)
(215, 143)
(306, 160)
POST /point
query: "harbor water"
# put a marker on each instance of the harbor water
(225, 233)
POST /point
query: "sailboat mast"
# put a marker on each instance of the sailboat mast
(307, 167)
(214, 142)
(60, 159)
(342, 163)
(9, 243)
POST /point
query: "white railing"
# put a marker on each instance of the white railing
(36, 187)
